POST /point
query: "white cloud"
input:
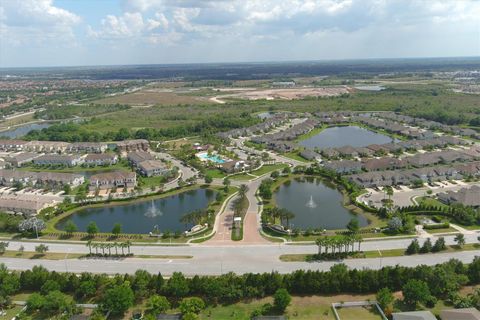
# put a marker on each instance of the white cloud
(36, 22)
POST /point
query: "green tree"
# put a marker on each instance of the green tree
(177, 285)
(353, 225)
(413, 247)
(92, 229)
(35, 302)
(460, 240)
(439, 245)
(118, 299)
(208, 179)
(3, 247)
(415, 292)
(157, 304)
(281, 300)
(57, 302)
(117, 229)
(427, 246)
(385, 299)
(192, 305)
(42, 249)
(70, 227)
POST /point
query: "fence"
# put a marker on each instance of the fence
(354, 304)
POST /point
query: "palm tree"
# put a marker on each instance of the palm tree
(320, 243)
(287, 215)
(460, 240)
(122, 245)
(89, 245)
(109, 247)
(95, 245)
(128, 244)
(242, 190)
(116, 248)
(102, 246)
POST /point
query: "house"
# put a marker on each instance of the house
(47, 146)
(414, 315)
(87, 147)
(347, 151)
(344, 166)
(12, 145)
(19, 159)
(101, 159)
(234, 166)
(57, 159)
(10, 177)
(460, 314)
(19, 204)
(139, 156)
(330, 153)
(153, 168)
(364, 152)
(114, 179)
(133, 145)
(466, 196)
(383, 164)
(310, 155)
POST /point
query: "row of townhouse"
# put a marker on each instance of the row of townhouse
(466, 196)
(409, 176)
(147, 165)
(113, 180)
(281, 141)
(432, 125)
(268, 124)
(417, 161)
(30, 206)
(76, 147)
(22, 158)
(394, 127)
(10, 177)
(392, 147)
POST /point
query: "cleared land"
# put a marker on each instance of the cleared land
(153, 97)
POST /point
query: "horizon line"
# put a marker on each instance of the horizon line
(241, 62)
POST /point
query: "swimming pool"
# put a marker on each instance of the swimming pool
(212, 157)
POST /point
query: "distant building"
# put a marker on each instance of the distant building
(87, 147)
(234, 166)
(460, 314)
(101, 159)
(46, 146)
(19, 159)
(414, 315)
(57, 159)
(153, 168)
(139, 156)
(114, 179)
(133, 145)
(466, 196)
(12, 145)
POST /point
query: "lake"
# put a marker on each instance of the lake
(142, 216)
(315, 203)
(22, 130)
(354, 136)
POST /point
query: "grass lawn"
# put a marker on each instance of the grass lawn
(12, 312)
(269, 168)
(35, 255)
(148, 182)
(122, 165)
(295, 156)
(427, 201)
(215, 173)
(354, 313)
(442, 230)
(377, 253)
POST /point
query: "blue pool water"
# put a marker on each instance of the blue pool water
(213, 158)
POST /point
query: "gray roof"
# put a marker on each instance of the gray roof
(414, 315)
(460, 314)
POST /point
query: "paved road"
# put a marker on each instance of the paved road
(224, 258)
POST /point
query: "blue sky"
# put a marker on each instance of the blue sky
(102, 32)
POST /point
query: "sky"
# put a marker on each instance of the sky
(111, 32)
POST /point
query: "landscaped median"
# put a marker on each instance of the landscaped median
(374, 254)
(63, 256)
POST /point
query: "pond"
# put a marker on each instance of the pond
(315, 203)
(354, 136)
(22, 130)
(142, 216)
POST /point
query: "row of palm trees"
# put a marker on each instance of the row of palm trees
(282, 214)
(109, 246)
(338, 244)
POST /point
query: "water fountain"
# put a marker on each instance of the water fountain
(153, 212)
(311, 203)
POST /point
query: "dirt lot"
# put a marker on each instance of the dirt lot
(152, 97)
(285, 94)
